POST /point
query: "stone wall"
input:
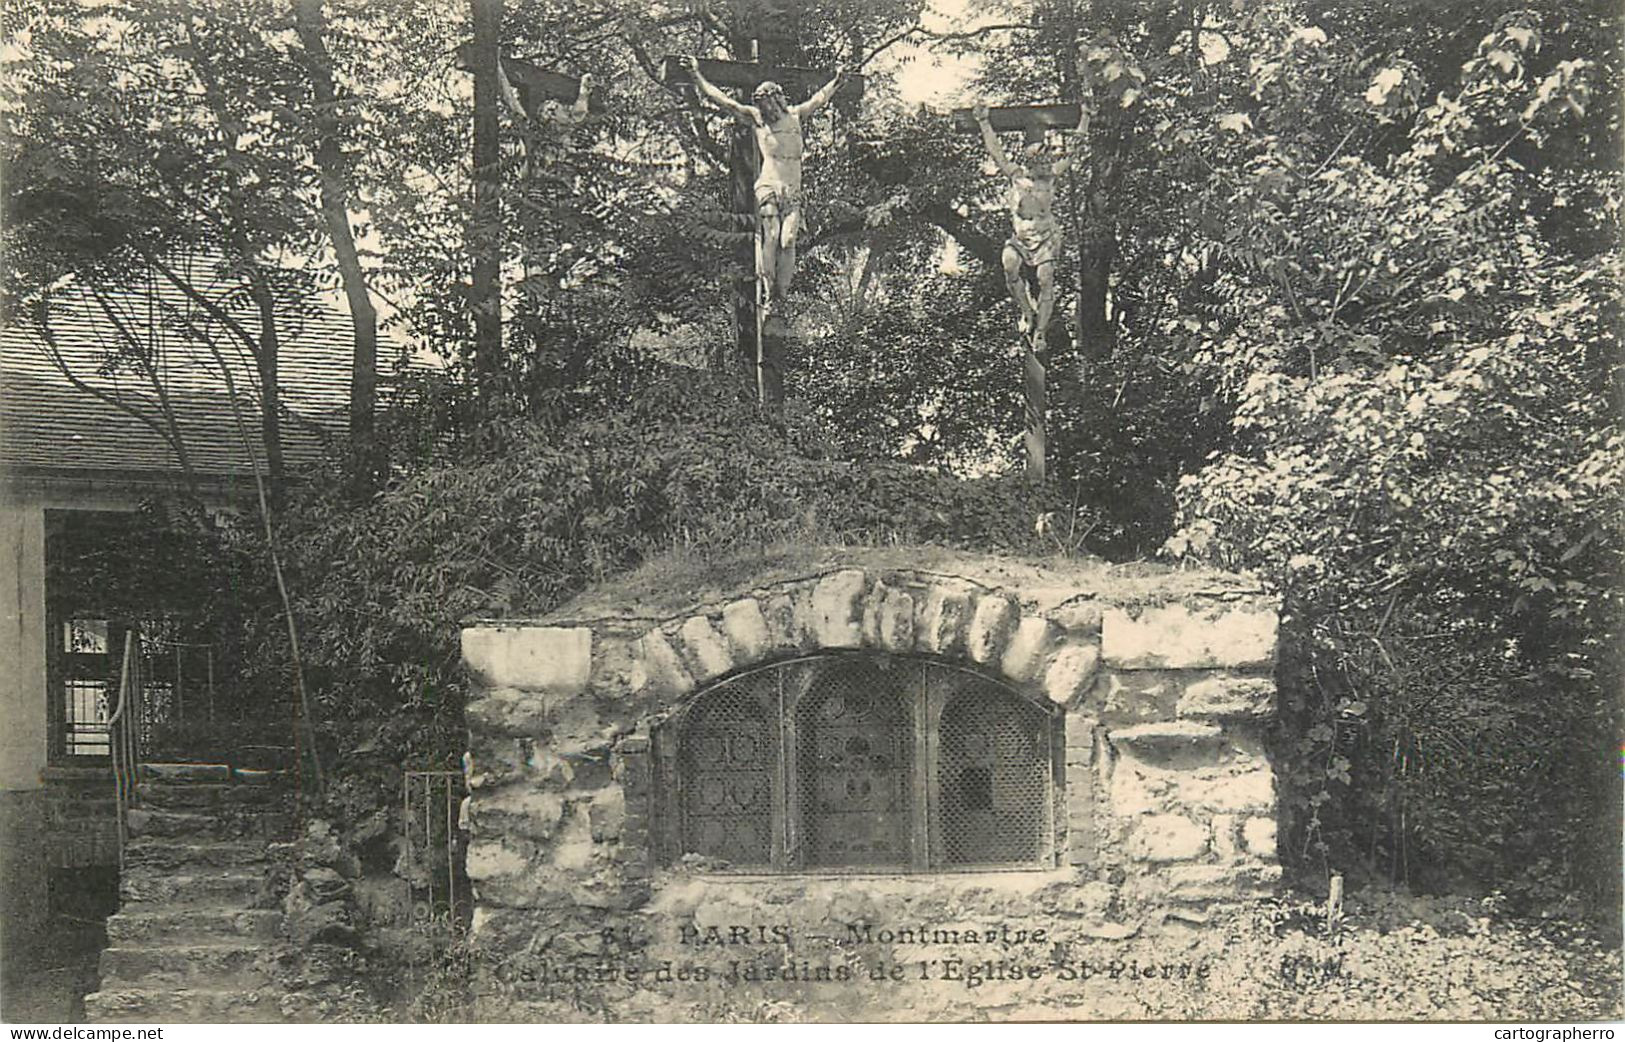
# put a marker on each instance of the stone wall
(1162, 680)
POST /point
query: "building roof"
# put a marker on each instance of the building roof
(125, 355)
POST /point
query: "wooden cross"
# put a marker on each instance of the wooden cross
(1032, 121)
(756, 336)
(533, 83)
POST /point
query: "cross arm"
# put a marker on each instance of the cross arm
(1023, 117)
(536, 84)
(532, 82)
(798, 83)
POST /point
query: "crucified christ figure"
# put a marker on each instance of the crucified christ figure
(1035, 242)
(555, 119)
(778, 187)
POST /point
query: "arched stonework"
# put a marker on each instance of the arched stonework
(1160, 682)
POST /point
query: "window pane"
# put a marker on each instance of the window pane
(727, 758)
(993, 776)
(855, 752)
(85, 636)
(84, 718)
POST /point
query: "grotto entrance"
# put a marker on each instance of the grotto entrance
(864, 739)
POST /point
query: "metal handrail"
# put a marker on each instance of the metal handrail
(121, 734)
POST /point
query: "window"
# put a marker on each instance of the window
(86, 681)
(853, 763)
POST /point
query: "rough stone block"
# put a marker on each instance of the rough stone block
(1071, 673)
(508, 711)
(1224, 836)
(518, 811)
(1259, 836)
(606, 816)
(1260, 880)
(493, 859)
(1138, 696)
(707, 651)
(869, 625)
(746, 629)
(836, 618)
(581, 726)
(1173, 636)
(1160, 737)
(1168, 837)
(659, 669)
(1080, 815)
(783, 632)
(1028, 647)
(1202, 882)
(1250, 791)
(1078, 617)
(990, 625)
(943, 617)
(894, 621)
(546, 766)
(1080, 739)
(512, 930)
(1229, 697)
(1136, 790)
(539, 658)
(494, 760)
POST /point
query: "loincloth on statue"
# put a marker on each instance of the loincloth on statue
(786, 198)
(1036, 242)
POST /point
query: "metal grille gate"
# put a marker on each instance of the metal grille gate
(855, 766)
(993, 777)
(861, 763)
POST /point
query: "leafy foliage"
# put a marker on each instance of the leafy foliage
(1420, 341)
(384, 589)
(1338, 294)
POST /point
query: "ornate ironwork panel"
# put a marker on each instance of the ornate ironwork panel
(995, 796)
(855, 752)
(727, 758)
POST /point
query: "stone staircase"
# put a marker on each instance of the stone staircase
(194, 938)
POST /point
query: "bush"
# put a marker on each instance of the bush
(381, 590)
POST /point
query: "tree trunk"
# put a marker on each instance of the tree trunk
(1096, 337)
(270, 384)
(366, 465)
(485, 224)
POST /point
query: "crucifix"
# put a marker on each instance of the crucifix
(537, 92)
(1034, 246)
(765, 174)
(550, 100)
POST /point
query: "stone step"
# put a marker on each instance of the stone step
(162, 852)
(186, 772)
(236, 887)
(184, 1006)
(260, 776)
(214, 825)
(208, 795)
(199, 965)
(185, 925)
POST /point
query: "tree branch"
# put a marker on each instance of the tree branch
(703, 141)
(41, 324)
(965, 232)
(148, 367)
